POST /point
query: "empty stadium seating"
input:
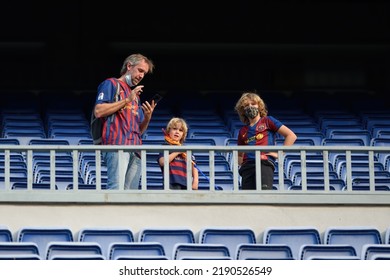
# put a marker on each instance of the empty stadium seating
(73, 250)
(354, 236)
(375, 252)
(264, 252)
(214, 242)
(321, 251)
(19, 250)
(200, 251)
(294, 237)
(105, 236)
(5, 234)
(58, 126)
(167, 237)
(229, 236)
(42, 236)
(217, 242)
(136, 250)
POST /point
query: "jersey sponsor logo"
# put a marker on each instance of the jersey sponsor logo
(131, 107)
(258, 136)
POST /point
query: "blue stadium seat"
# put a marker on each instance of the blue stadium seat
(316, 137)
(87, 186)
(337, 258)
(293, 236)
(295, 168)
(25, 257)
(304, 128)
(62, 181)
(338, 159)
(342, 120)
(380, 142)
(41, 236)
(73, 139)
(198, 250)
(342, 127)
(317, 183)
(356, 236)
(298, 142)
(14, 249)
(48, 141)
(56, 250)
(218, 137)
(361, 182)
(200, 142)
(9, 141)
(125, 257)
(357, 166)
(308, 251)
(342, 142)
(228, 236)
(24, 138)
(383, 133)
(5, 234)
(364, 135)
(375, 251)
(105, 236)
(264, 252)
(71, 256)
(167, 237)
(136, 250)
(35, 186)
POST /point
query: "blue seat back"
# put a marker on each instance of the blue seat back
(264, 252)
(354, 236)
(167, 237)
(294, 237)
(229, 236)
(135, 250)
(105, 236)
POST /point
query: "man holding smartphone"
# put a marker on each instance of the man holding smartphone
(124, 119)
(156, 98)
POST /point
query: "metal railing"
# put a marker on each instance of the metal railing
(282, 192)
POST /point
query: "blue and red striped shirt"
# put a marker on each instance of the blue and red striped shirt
(177, 170)
(123, 127)
(263, 133)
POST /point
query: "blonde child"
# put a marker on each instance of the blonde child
(175, 134)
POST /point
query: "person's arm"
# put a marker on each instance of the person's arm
(240, 158)
(288, 134)
(172, 156)
(107, 109)
(195, 178)
(289, 139)
(148, 111)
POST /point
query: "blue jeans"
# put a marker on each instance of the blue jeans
(131, 163)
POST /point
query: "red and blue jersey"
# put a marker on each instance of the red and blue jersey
(123, 127)
(177, 170)
(263, 133)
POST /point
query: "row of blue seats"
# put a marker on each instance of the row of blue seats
(295, 242)
(203, 122)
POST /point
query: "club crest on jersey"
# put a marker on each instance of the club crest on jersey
(261, 127)
(101, 95)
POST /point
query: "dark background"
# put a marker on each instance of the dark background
(197, 45)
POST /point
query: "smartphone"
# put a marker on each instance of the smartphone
(157, 97)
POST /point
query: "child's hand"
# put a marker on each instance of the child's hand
(272, 154)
